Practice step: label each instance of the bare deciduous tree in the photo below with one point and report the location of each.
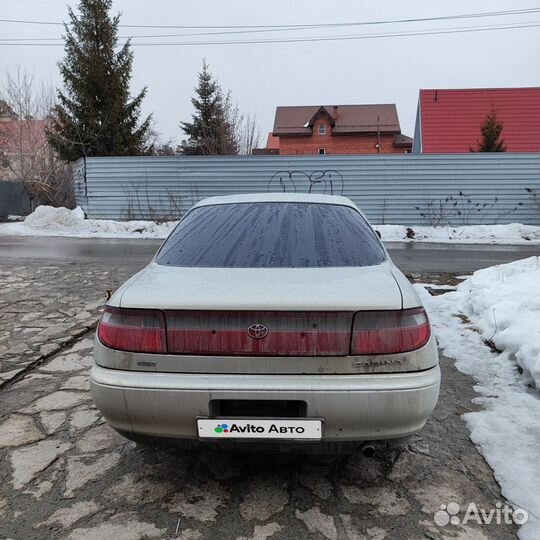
(26, 153)
(246, 133)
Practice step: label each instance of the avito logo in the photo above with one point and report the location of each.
(250, 428)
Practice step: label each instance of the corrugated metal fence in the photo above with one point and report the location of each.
(406, 189)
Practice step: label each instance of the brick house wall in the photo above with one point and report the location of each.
(353, 143)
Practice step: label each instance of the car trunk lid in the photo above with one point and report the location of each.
(263, 289)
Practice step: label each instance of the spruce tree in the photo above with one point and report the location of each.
(491, 130)
(95, 114)
(211, 130)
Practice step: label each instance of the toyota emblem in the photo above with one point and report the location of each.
(257, 331)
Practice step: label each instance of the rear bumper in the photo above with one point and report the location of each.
(353, 407)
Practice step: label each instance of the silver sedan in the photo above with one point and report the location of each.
(273, 319)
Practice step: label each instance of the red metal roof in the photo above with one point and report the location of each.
(451, 119)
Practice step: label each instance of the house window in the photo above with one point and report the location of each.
(322, 151)
(322, 129)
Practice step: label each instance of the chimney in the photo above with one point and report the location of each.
(335, 111)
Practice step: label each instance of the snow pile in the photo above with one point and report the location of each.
(508, 428)
(49, 218)
(513, 233)
(49, 221)
(504, 304)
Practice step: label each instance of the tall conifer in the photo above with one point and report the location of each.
(95, 114)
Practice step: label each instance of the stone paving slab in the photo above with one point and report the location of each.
(65, 474)
(44, 308)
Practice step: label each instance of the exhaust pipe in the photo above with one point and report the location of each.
(368, 451)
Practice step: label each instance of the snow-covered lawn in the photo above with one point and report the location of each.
(500, 305)
(48, 221)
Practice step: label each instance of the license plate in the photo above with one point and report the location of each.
(229, 428)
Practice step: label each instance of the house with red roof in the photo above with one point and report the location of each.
(336, 129)
(449, 121)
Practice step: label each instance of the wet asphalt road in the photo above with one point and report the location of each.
(410, 257)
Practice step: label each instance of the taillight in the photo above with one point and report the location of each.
(135, 330)
(259, 333)
(389, 332)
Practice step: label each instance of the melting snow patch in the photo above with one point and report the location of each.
(49, 221)
(502, 304)
(513, 233)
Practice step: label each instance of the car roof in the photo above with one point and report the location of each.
(314, 198)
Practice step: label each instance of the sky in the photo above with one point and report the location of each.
(263, 76)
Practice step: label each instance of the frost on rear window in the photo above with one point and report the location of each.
(272, 235)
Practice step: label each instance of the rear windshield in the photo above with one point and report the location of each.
(272, 235)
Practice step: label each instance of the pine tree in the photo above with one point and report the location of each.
(95, 114)
(211, 130)
(491, 130)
